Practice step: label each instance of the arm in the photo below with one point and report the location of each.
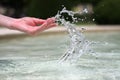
(6, 21)
(28, 25)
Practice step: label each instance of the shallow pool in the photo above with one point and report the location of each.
(36, 58)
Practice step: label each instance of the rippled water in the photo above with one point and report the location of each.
(35, 58)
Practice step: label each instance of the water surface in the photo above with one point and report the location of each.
(36, 58)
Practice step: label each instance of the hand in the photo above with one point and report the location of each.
(33, 25)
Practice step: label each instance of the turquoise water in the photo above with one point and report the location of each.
(36, 58)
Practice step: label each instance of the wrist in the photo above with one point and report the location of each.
(6, 21)
(11, 23)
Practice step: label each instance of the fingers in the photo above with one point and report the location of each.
(52, 25)
(50, 21)
(41, 21)
(44, 27)
(46, 24)
(38, 21)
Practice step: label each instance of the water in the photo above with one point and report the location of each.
(35, 58)
(78, 44)
(29, 58)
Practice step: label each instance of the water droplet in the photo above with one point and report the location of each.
(85, 10)
(93, 19)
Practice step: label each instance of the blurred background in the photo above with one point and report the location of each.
(99, 11)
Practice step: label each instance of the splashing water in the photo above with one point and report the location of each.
(78, 44)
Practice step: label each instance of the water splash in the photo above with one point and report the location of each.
(78, 44)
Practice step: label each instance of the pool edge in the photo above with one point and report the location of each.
(58, 30)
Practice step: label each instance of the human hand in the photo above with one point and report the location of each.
(32, 25)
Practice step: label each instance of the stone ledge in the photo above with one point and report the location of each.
(91, 28)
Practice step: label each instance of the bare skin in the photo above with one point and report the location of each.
(28, 25)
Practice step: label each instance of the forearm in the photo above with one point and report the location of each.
(6, 21)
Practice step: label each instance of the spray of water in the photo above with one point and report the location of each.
(78, 44)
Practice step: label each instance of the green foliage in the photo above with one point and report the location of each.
(47, 8)
(39, 8)
(93, 2)
(108, 12)
(14, 8)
